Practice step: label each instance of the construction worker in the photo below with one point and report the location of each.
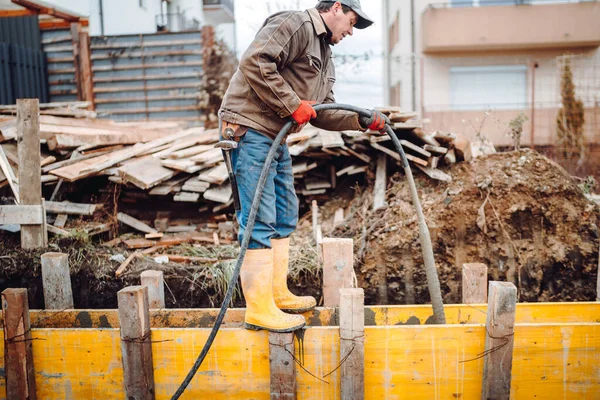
(286, 69)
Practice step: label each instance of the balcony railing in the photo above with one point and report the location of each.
(225, 3)
(510, 25)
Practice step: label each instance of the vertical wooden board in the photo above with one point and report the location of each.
(282, 366)
(237, 365)
(2, 374)
(423, 362)
(78, 363)
(474, 283)
(556, 362)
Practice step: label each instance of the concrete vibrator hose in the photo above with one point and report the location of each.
(433, 282)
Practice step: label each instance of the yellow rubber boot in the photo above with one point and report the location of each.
(286, 300)
(257, 284)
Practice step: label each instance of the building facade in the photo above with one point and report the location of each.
(473, 66)
(124, 17)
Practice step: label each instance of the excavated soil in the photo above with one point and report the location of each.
(519, 213)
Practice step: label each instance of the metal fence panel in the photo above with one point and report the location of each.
(21, 31)
(22, 74)
(58, 47)
(147, 77)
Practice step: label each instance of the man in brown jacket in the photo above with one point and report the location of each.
(284, 71)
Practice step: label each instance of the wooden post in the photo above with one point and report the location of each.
(136, 343)
(315, 219)
(352, 344)
(85, 66)
(75, 31)
(282, 365)
(499, 340)
(30, 181)
(56, 281)
(154, 281)
(18, 356)
(338, 265)
(474, 283)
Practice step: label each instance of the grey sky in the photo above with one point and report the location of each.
(359, 82)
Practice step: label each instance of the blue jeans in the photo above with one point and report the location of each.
(278, 211)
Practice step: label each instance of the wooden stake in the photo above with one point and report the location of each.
(18, 355)
(155, 283)
(499, 340)
(136, 343)
(352, 344)
(282, 365)
(338, 265)
(474, 283)
(315, 218)
(85, 68)
(30, 181)
(56, 281)
(380, 183)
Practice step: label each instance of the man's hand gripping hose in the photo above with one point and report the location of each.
(433, 282)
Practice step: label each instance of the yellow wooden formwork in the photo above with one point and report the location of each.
(550, 361)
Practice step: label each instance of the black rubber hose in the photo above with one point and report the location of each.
(252, 218)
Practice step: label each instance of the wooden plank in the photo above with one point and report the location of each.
(187, 197)
(282, 366)
(352, 344)
(85, 69)
(338, 267)
(362, 157)
(136, 343)
(182, 165)
(65, 207)
(154, 281)
(23, 215)
(499, 341)
(408, 146)
(94, 165)
(9, 174)
(135, 223)
(220, 194)
(57, 231)
(146, 172)
(18, 356)
(380, 183)
(190, 151)
(165, 241)
(445, 137)
(396, 156)
(216, 175)
(331, 139)
(435, 149)
(30, 188)
(56, 281)
(474, 283)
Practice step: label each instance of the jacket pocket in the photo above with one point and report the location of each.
(314, 61)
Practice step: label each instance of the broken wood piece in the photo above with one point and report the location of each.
(362, 157)
(220, 194)
(302, 136)
(187, 197)
(146, 172)
(9, 174)
(331, 139)
(47, 160)
(338, 217)
(435, 173)
(358, 170)
(126, 263)
(445, 137)
(216, 239)
(163, 242)
(191, 259)
(135, 223)
(450, 157)
(152, 236)
(435, 149)
(380, 183)
(396, 156)
(58, 231)
(61, 220)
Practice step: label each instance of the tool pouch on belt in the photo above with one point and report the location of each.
(230, 131)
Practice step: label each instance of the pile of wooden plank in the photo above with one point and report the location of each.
(169, 160)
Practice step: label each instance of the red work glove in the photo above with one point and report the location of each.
(375, 123)
(304, 113)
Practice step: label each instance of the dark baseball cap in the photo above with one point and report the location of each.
(363, 19)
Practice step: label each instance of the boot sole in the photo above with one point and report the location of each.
(297, 310)
(253, 327)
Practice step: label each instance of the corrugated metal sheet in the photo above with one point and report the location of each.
(148, 77)
(21, 31)
(58, 47)
(22, 74)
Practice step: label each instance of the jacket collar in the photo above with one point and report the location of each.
(317, 21)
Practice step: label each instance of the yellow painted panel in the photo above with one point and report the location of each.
(560, 313)
(237, 365)
(77, 363)
(423, 362)
(417, 362)
(557, 362)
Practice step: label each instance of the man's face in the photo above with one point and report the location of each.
(341, 25)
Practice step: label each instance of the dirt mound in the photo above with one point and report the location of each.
(518, 212)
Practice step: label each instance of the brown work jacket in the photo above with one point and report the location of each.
(288, 61)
